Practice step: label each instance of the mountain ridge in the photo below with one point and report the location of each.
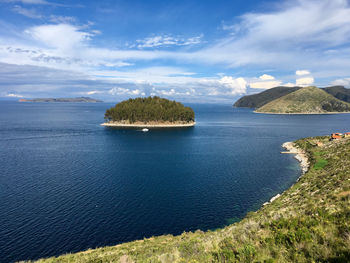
(307, 100)
(260, 99)
(264, 97)
(340, 92)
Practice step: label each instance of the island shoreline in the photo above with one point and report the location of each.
(141, 125)
(303, 113)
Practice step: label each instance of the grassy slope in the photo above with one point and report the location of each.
(262, 98)
(339, 92)
(310, 222)
(306, 100)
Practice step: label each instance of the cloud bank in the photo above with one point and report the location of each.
(62, 56)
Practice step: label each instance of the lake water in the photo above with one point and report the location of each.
(68, 184)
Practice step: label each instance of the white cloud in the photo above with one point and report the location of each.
(125, 91)
(116, 64)
(13, 95)
(60, 36)
(38, 2)
(237, 86)
(265, 81)
(32, 2)
(148, 75)
(302, 72)
(265, 84)
(170, 92)
(263, 39)
(289, 84)
(307, 81)
(225, 86)
(36, 81)
(266, 77)
(62, 19)
(173, 92)
(341, 82)
(270, 39)
(31, 13)
(92, 92)
(317, 40)
(166, 40)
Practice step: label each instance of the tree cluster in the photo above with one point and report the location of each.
(149, 109)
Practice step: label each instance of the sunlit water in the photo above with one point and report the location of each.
(68, 184)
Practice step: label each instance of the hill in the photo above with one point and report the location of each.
(308, 223)
(262, 98)
(308, 100)
(339, 92)
(79, 99)
(152, 110)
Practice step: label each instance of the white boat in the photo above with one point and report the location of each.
(145, 130)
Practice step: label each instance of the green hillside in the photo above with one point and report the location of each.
(262, 98)
(310, 222)
(339, 92)
(307, 100)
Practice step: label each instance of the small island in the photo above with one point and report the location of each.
(150, 112)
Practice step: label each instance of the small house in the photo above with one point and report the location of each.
(336, 136)
(347, 134)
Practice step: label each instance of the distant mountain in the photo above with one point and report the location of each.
(306, 100)
(339, 92)
(80, 99)
(262, 98)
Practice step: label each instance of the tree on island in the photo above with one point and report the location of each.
(150, 109)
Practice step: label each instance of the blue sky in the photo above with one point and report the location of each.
(192, 51)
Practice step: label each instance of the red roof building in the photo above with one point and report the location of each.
(336, 136)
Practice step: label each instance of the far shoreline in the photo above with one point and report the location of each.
(303, 113)
(148, 125)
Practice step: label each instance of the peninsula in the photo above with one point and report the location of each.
(307, 223)
(308, 100)
(79, 99)
(257, 100)
(298, 100)
(150, 112)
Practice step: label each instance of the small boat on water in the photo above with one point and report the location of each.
(145, 130)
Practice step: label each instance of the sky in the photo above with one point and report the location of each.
(190, 51)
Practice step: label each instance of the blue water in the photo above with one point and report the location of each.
(68, 184)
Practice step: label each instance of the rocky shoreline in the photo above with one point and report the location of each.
(301, 156)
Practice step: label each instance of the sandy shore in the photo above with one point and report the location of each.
(152, 125)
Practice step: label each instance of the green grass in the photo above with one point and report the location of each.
(310, 222)
(320, 162)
